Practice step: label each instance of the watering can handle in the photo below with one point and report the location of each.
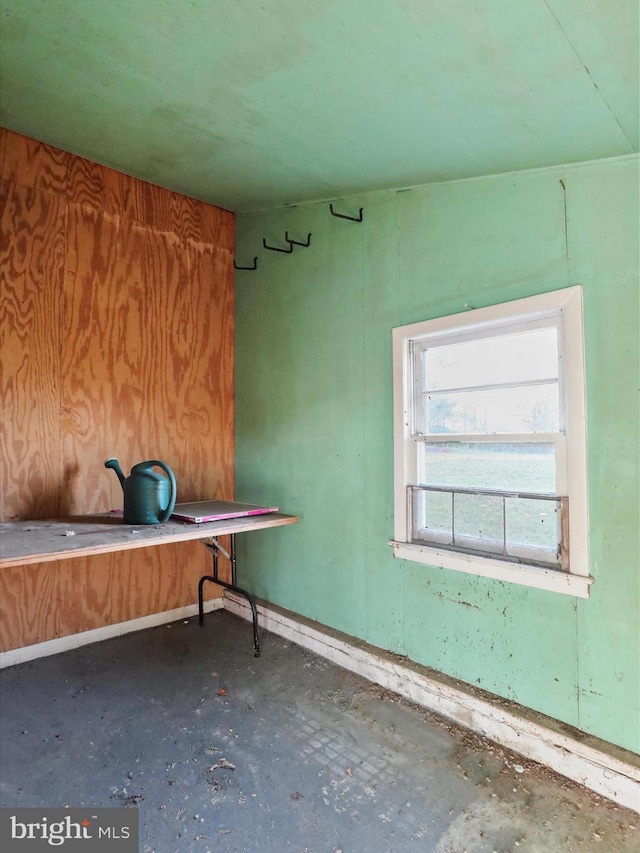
(165, 514)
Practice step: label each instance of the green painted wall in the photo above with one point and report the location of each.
(314, 425)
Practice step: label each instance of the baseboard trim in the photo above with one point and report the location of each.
(84, 638)
(608, 775)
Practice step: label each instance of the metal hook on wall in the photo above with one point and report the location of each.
(297, 242)
(342, 215)
(254, 267)
(276, 249)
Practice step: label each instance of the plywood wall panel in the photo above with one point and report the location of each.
(147, 358)
(117, 339)
(205, 434)
(202, 223)
(111, 192)
(28, 605)
(31, 268)
(32, 164)
(118, 384)
(114, 588)
(67, 597)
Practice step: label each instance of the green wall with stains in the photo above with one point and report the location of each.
(314, 425)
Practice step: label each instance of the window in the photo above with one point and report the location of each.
(490, 447)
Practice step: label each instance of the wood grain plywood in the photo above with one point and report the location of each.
(203, 223)
(29, 611)
(60, 598)
(115, 398)
(36, 542)
(112, 192)
(206, 431)
(31, 270)
(113, 588)
(147, 359)
(116, 331)
(32, 164)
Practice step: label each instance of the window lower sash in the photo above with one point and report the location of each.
(516, 527)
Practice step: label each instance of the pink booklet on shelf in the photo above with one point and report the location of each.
(201, 511)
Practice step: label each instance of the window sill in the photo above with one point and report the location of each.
(533, 576)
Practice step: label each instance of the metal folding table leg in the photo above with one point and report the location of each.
(216, 549)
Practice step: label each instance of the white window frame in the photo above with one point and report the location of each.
(566, 305)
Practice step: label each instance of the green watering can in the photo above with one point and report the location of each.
(149, 498)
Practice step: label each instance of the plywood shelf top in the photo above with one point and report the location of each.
(28, 542)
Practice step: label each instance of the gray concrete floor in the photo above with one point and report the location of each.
(220, 751)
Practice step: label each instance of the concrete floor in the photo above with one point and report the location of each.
(221, 751)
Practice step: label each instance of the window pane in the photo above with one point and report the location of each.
(432, 518)
(532, 523)
(517, 467)
(478, 523)
(534, 408)
(518, 357)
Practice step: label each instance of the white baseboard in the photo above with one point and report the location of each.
(74, 641)
(606, 774)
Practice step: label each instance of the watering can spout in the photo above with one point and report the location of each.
(113, 463)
